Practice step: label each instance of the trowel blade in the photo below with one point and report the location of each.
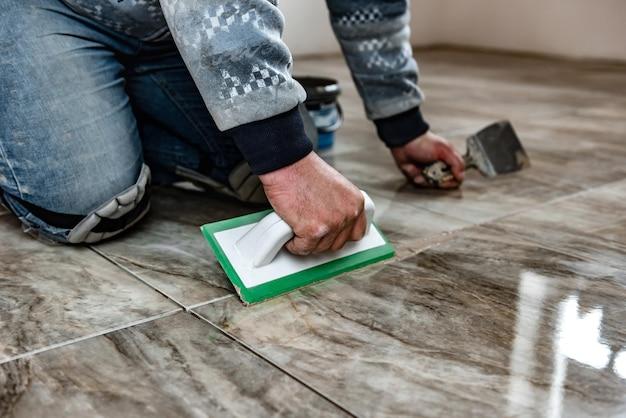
(497, 150)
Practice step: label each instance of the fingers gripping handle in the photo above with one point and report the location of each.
(262, 243)
(369, 208)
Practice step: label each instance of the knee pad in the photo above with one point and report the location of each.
(111, 218)
(115, 216)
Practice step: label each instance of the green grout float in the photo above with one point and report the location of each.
(250, 250)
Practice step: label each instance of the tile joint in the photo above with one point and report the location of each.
(90, 336)
(136, 276)
(272, 363)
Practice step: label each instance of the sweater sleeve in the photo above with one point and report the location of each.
(242, 68)
(374, 37)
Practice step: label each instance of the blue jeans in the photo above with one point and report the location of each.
(83, 109)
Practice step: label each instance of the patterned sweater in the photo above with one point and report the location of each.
(234, 51)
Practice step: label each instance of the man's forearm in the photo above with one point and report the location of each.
(236, 57)
(374, 36)
(235, 54)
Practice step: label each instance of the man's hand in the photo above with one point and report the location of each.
(428, 148)
(322, 207)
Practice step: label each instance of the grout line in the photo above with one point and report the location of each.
(555, 248)
(420, 207)
(89, 336)
(199, 305)
(488, 223)
(271, 362)
(550, 202)
(187, 308)
(136, 276)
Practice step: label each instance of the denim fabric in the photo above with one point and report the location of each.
(82, 107)
(91, 89)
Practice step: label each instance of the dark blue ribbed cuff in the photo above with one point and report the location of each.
(397, 130)
(272, 143)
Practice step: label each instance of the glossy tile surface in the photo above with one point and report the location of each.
(521, 315)
(411, 229)
(177, 366)
(50, 294)
(482, 325)
(590, 224)
(168, 251)
(479, 200)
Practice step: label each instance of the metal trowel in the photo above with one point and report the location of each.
(493, 151)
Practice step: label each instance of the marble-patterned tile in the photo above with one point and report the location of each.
(168, 251)
(52, 294)
(466, 91)
(601, 126)
(470, 90)
(410, 229)
(590, 224)
(478, 200)
(615, 232)
(178, 366)
(563, 154)
(482, 324)
(587, 77)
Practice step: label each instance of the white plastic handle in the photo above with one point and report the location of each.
(262, 243)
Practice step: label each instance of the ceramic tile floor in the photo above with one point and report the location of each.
(506, 298)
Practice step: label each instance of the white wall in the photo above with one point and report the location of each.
(308, 31)
(575, 28)
(307, 28)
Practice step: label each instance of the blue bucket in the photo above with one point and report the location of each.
(323, 107)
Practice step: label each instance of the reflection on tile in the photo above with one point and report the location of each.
(52, 294)
(479, 199)
(583, 224)
(615, 232)
(566, 153)
(168, 251)
(410, 229)
(482, 323)
(602, 123)
(175, 366)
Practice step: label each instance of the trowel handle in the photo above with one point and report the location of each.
(262, 243)
(439, 172)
